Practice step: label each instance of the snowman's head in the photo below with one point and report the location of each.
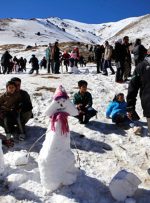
(61, 103)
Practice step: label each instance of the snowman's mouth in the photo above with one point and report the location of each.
(61, 109)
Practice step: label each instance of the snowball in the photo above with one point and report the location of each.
(17, 158)
(14, 180)
(21, 158)
(124, 185)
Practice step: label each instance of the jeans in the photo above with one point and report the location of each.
(107, 64)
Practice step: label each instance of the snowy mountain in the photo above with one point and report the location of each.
(43, 31)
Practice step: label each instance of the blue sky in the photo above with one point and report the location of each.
(88, 11)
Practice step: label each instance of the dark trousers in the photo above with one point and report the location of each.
(56, 67)
(48, 66)
(6, 68)
(107, 64)
(34, 69)
(66, 63)
(119, 72)
(99, 66)
(9, 120)
(84, 116)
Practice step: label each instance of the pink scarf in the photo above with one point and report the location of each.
(63, 118)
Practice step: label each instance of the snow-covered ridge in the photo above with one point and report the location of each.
(43, 31)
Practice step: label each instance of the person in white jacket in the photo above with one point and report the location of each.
(107, 59)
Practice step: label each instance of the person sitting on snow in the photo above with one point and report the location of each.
(9, 110)
(26, 104)
(117, 111)
(83, 102)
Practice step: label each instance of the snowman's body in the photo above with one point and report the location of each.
(56, 160)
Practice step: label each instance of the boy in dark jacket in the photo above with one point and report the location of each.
(9, 109)
(83, 102)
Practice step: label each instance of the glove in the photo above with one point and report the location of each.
(132, 115)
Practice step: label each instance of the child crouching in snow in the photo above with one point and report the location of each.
(117, 111)
(83, 101)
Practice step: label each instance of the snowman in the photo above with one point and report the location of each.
(1, 159)
(56, 160)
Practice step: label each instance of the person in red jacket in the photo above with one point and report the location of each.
(65, 58)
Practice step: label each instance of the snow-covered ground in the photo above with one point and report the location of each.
(104, 150)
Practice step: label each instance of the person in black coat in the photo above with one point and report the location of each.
(139, 52)
(43, 63)
(119, 60)
(98, 58)
(21, 64)
(5, 62)
(140, 81)
(35, 64)
(56, 57)
(127, 58)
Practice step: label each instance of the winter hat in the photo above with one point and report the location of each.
(119, 41)
(60, 93)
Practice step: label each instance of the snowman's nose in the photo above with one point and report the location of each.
(61, 105)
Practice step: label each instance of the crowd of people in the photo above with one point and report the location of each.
(11, 64)
(16, 106)
(121, 54)
(103, 55)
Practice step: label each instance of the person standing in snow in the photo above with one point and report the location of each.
(43, 63)
(21, 64)
(140, 82)
(119, 60)
(127, 58)
(35, 64)
(98, 58)
(139, 52)
(107, 59)
(65, 58)
(48, 58)
(56, 58)
(25, 62)
(16, 64)
(74, 57)
(83, 101)
(5, 62)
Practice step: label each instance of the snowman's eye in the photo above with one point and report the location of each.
(58, 102)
